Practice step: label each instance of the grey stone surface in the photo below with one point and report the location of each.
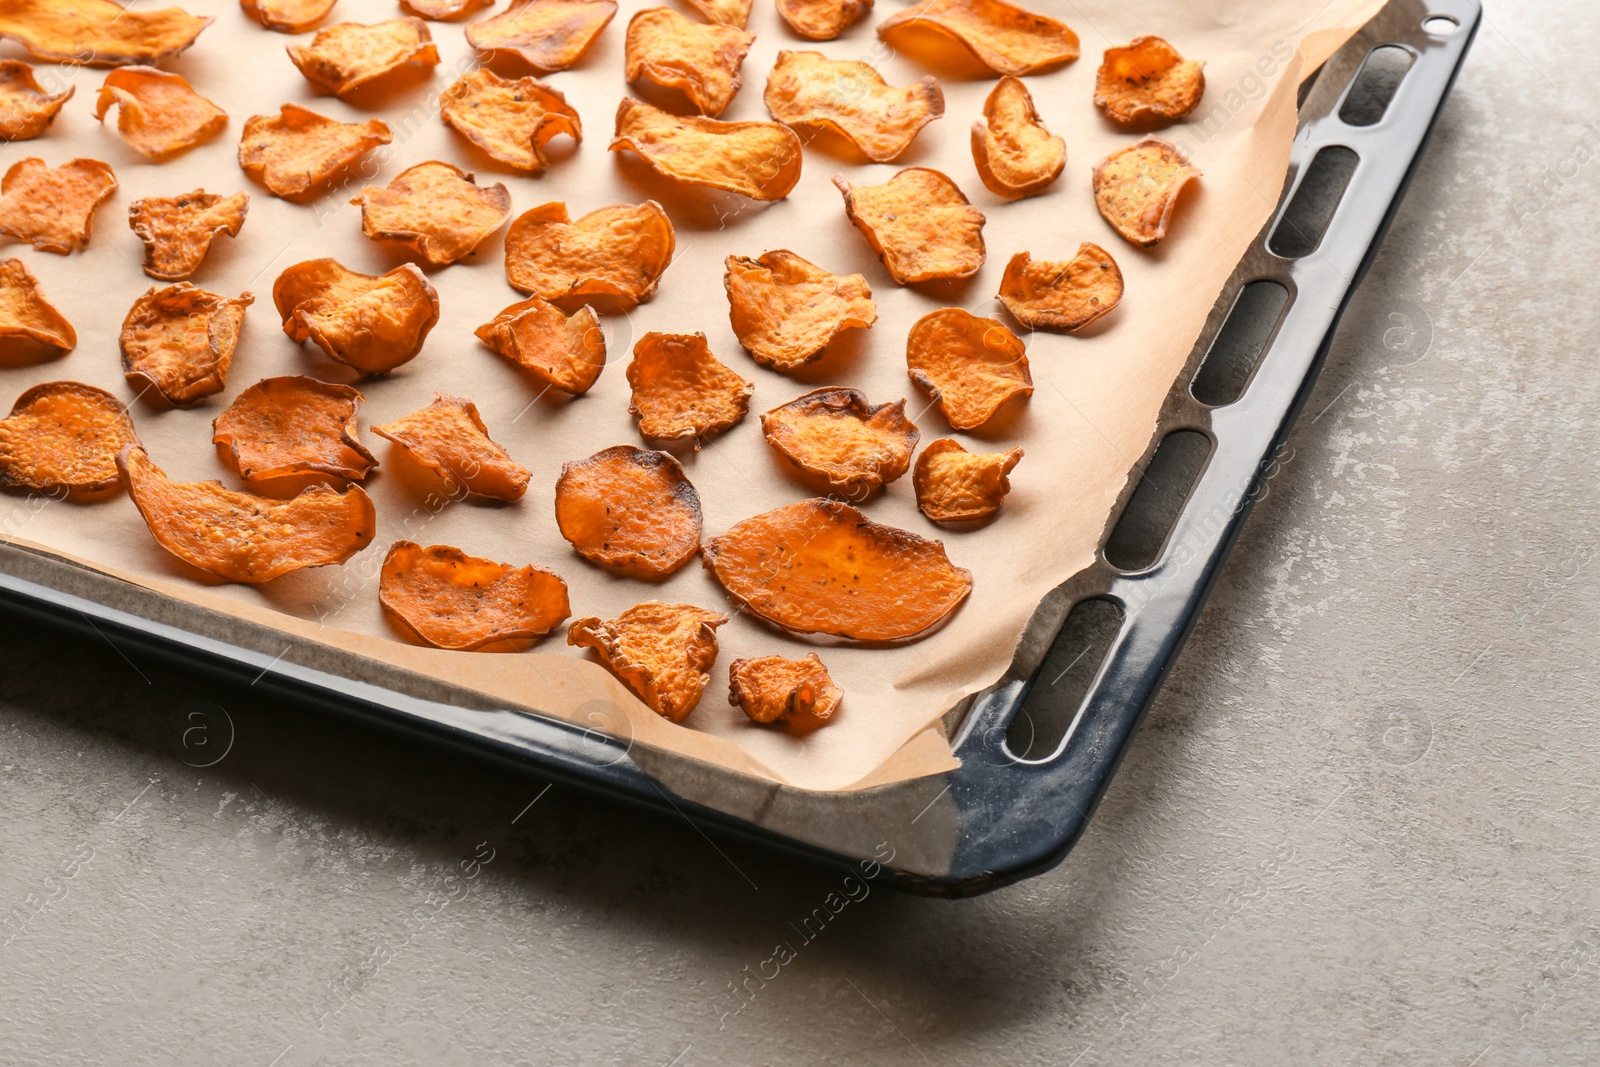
(1358, 828)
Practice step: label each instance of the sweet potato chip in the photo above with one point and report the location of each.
(724, 12)
(663, 652)
(1016, 155)
(180, 340)
(443, 10)
(850, 98)
(1005, 38)
(547, 34)
(953, 484)
(618, 253)
(969, 366)
(449, 437)
(52, 207)
(293, 426)
(158, 114)
(838, 436)
(350, 55)
(25, 314)
(1147, 83)
(437, 209)
(785, 310)
(25, 108)
(629, 510)
(820, 566)
(177, 231)
(511, 120)
(1046, 295)
(449, 599)
(681, 391)
(565, 352)
(1137, 187)
(920, 224)
(64, 437)
(243, 537)
(700, 61)
(772, 688)
(296, 152)
(760, 160)
(98, 33)
(373, 323)
(288, 16)
(822, 20)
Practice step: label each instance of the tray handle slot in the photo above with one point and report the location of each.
(1057, 691)
(1375, 84)
(1301, 226)
(1156, 502)
(1241, 341)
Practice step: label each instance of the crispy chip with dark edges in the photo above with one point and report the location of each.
(565, 352)
(760, 160)
(180, 341)
(774, 689)
(841, 438)
(1147, 83)
(700, 61)
(969, 366)
(443, 10)
(1005, 38)
(25, 314)
(511, 120)
(52, 207)
(288, 16)
(663, 652)
(618, 253)
(293, 426)
(449, 437)
(1046, 295)
(724, 12)
(630, 510)
(681, 391)
(98, 33)
(158, 113)
(548, 34)
(1137, 187)
(786, 310)
(296, 152)
(177, 231)
(373, 323)
(920, 224)
(822, 20)
(63, 437)
(851, 99)
(350, 55)
(449, 599)
(954, 485)
(820, 566)
(1015, 154)
(437, 209)
(243, 537)
(25, 108)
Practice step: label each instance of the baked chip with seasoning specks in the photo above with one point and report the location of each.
(291, 427)
(63, 437)
(350, 55)
(562, 351)
(510, 119)
(448, 599)
(663, 652)
(920, 224)
(548, 35)
(723, 12)
(617, 253)
(1047, 295)
(1003, 37)
(629, 510)
(373, 323)
(838, 436)
(443, 10)
(180, 342)
(851, 99)
(1147, 83)
(954, 485)
(700, 61)
(98, 33)
(449, 438)
(158, 114)
(26, 317)
(436, 209)
(786, 310)
(288, 16)
(26, 110)
(968, 365)
(681, 391)
(177, 231)
(1137, 187)
(297, 152)
(774, 689)
(822, 20)
(52, 207)
(1015, 154)
(760, 160)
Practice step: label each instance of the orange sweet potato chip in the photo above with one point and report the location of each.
(449, 437)
(510, 119)
(243, 537)
(760, 160)
(681, 391)
(437, 209)
(969, 366)
(64, 437)
(547, 34)
(158, 114)
(820, 566)
(663, 652)
(822, 20)
(449, 599)
(773, 689)
(1046, 295)
(785, 310)
(920, 224)
(955, 485)
(296, 152)
(349, 55)
(293, 426)
(629, 510)
(616, 253)
(841, 438)
(177, 231)
(98, 33)
(565, 352)
(1147, 83)
(25, 108)
(288, 16)
(1137, 187)
(1015, 154)
(373, 323)
(851, 99)
(51, 207)
(180, 341)
(25, 315)
(1005, 38)
(723, 12)
(700, 61)
(443, 10)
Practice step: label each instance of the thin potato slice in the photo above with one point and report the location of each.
(350, 55)
(663, 652)
(724, 12)
(98, 33)
(288, 16)
(548, 34)
(1046, 295)
(296, 152)
(25, 108)
(760, 160)
(681, 391)
(448, 599)
(25, 314)
(443, 10)
(158, 114)
(177, 231)
(180, 342)
(1015, 154)
(437, 209)
(954, 485)
(449, 437)
(565, 352)
(1137, 187)
(1005, 38)
(63, 437)
(838, 436)
(510, 119)
(700, 61)
(822, 20)
(1147, 83)
(850, 98)
(293, 426)
(52, 207)
(242, 537)
(373, 323)
(786, 310)
(969, 366)
(773, 689)
(820, 566)
(629, 510)
(617, 252)
(920, 224)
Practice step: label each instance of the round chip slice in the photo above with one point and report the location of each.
(449, 437)
(920, 223)
(681, 391)
(448, 599)
(347, 56)
(510, 119)
(63, 437)
(1015, 154)
(773, 689)
(838, 436)
(373, 323)
(25, 314)
(158, 114)
(969, 366)
(954, 485)
(1045, 295)
(548, 34)
(629, 510)
(760, 160)
(700, 61)
(822, 20)
(565, 352)
(51, 207)
(1147, 83)
(851, 99)
(294, 426)
(1137, 187)
(437, 209)
(177, 231)
(617, 252)
(663, 652)
(1003, 37)
(98, 33)
(296, 152)
(25, 108)
(443, 10)
(288, 16)
(180, 341)
(724, 12)
(786, 310)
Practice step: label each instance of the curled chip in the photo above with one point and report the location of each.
(180, 341)
(920, 224)
(1137, 187)
(243, 537)
(1015, 154)
(25, 314)
(836, 435)
(1045, 295)
(349, 55)
(98, 33)
(51, 207)
(970, 366)
(565, 352)
(723, 12)
(63, 437)
(436, 209)
(296, 152)
(158, 113)
(701, 61)
(820, 566)
(663, 652)
(373, 323)
(760, 160)
(177, 230)
(953, 484)
(785, 310)
(512, 120)
(443, 10)
(617, 252)
(25, 108)
(772, 688)
(449, 437)
(1005, 38)
(288, 16)
(294, 426)
(681, 391)
(547, 34)
(1147, 83)
(449, 599)
(822, 20)
(629, 510)
(850, 98)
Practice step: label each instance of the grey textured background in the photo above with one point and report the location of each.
(1359, 826)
